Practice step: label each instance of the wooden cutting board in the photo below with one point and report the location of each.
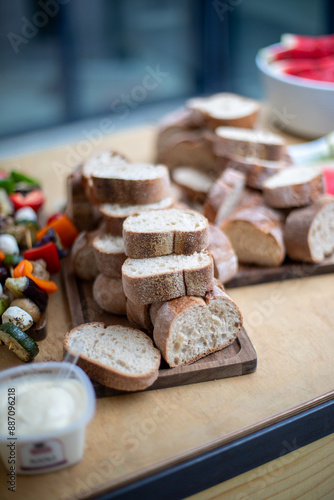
(237, 359)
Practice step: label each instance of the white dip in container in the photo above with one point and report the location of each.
(43, 419)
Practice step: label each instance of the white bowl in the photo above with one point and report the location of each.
(300, 106)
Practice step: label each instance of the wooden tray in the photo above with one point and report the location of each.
(237, 359)
(252, 275)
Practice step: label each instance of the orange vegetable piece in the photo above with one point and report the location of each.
(65, 229)
(2, 256)
(25, 267)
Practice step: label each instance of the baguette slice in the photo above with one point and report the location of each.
(135, 183)
(194, 183)
(163, 278)
(108, 293)
(309, 231)
(109, 254)
(256, 170)
(189, 328)
(231, 141)
(225, 109)
(224, 195)
(163, 232)
(225, 259)
(115, 214)
(256, 235)
(116, 356)
(139, 315)
(294, 187)
(82, 256)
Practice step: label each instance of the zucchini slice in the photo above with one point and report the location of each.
(19, 342)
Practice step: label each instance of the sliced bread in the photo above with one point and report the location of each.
(256, 235)
(108, 293)
(139, 315)
(116, 356)
(225, 259)
(115, 214)
(82, 256)
(194, 183)
(135, 183)
(189, 328)
(163, 232)
(225, 109)
(309, 231)
(294, 187)
(224, 195)
(248, 143)
(109, 254)
(256, 170)
(167, 277)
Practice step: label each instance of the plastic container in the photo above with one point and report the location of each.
(43, 449)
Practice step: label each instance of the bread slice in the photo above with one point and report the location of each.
(294, 187)
(224, 195)
(225, 109)
(194, 183)
(225, 259)
(309, 231)
(82, 256)
(167, 277)
(192, 148)
(256, 235)
(116, 356)
(163, 232)
(108, 293)
(135, 183)
(115, 214)
(189, 328)
(109, 254)
(231, 141)
(139, 315)
(256, 170)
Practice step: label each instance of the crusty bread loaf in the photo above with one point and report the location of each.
(135, 183)
(189, 328)
(225, 259)
(294, 187)
(194, 183)
(309, 231)
(163, 232)
(116, 356)
(167, 277)
(225, 109)
(248, 143)
(109, 254)
(139, 315)
(256, 235)
(108, 293)
(82, 256)
(256, 170)
(224, 195)
(114, 215)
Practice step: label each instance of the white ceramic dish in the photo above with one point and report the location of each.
(302, 107)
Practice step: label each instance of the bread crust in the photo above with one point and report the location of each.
(297, 228)
(224, 257)
(108, 263)
(82, 256)
(131, 192)
(139, 315)
(294, 195)
(108, 376)
(108, 293)
(168, 284)
(256, 171)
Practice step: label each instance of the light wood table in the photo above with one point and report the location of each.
(174, 442)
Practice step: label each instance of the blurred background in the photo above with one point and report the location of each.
(65, 62)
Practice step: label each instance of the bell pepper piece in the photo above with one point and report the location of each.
(65, 229)
(48, 253)
(53, 217)
(2, 256)
(329, 179)
(25, 268)
(33, 199)
(19, 177)
(7, 184)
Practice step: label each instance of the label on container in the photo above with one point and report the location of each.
(42, 455)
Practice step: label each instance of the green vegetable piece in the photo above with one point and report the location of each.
(7, 184)
(12, 260)
(4, 303)
(19, 177)
(18, 342)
